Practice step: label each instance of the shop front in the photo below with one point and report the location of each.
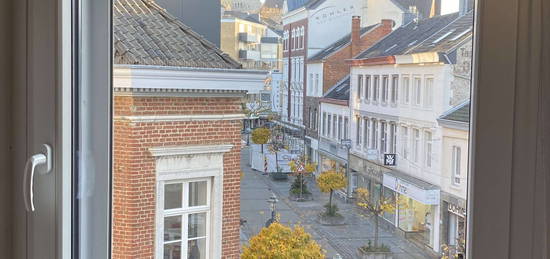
(312, 149)
(333, 156)
(417, 210)
(453, 232)
(369, 177)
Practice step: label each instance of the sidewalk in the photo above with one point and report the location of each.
(344, 240)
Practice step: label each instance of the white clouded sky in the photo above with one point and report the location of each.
(449, 6)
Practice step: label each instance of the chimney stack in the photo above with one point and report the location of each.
(355, 35)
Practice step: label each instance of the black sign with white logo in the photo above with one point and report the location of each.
(390, 159)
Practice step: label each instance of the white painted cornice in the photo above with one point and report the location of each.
(181, 78)
(186, 117)
(189, 150)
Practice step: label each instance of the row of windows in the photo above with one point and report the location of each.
(381, 135)
(296, 39)
(297, 69)
(314, 83)
(335, 126)
(385, 89)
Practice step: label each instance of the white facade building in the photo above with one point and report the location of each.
(399, 89)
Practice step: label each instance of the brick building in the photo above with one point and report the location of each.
(328, 67)
(177, 122)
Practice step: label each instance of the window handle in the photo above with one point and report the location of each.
(32, 163)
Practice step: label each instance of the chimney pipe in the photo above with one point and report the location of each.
(355, 35)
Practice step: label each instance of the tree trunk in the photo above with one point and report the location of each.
(330, 201)
(276, 162)
(376, 230)
(262, 148)
(301, 185)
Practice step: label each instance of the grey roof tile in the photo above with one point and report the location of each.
(441, 34)
(423, 7)
(145, 34)
(337, 45)
(340, 90)
(459, 113)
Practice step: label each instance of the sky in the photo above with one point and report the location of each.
(449, 6)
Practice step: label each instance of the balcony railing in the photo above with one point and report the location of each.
(247, 37)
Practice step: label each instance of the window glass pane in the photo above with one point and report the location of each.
(173, 196)
(172, 251)
(196, 249)
(197, 193)
(197, 225)
(172, 228)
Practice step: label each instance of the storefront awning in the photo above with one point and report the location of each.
(412, 187)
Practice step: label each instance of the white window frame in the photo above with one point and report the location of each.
(174, 164)
(417, 90)
(456, 157)
(184, 213)
(405, 141)
(406, 86)
(428, 149)
(375, 88)
(385, 89)
(394, 89)
(359, 87)
(415, 136)
(365, 131)
(428, 92)
(383, 137)
(368, 86)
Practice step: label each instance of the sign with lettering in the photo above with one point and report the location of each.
(390, 159)
(428, 197)
(455, 209)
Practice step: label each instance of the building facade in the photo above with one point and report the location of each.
(328, 66)
(399, 88)
(176, 139)
(254, 44)
(294, 56)
(454, 175)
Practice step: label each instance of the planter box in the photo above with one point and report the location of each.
(279, 176)
(296, 197)
(374, 255)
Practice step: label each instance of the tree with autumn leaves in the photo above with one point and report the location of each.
(261, 136)
(376, 209)
(301, 168)
(328, 182)
(281, 242)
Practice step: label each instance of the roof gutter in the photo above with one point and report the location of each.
(416, 58)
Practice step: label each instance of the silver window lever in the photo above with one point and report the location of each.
(44, 160)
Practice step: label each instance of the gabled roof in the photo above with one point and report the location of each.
(441, 34)
(312, 4)
(145, 34)
(337, 45)
(243, 16)
(295, 4)
(423, 7)
(459, 113)
(339, 91)
(273, 4)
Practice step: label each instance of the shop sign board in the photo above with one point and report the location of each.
(428, 197)
(455, 209)
(390, 159)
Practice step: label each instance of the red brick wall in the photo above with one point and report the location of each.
(134, 182)
(335, 67)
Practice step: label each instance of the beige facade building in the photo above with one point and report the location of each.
(254, 44)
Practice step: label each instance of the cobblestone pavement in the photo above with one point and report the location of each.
(344, 240)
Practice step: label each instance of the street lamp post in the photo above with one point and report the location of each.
(272, 201)
(347, 143)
